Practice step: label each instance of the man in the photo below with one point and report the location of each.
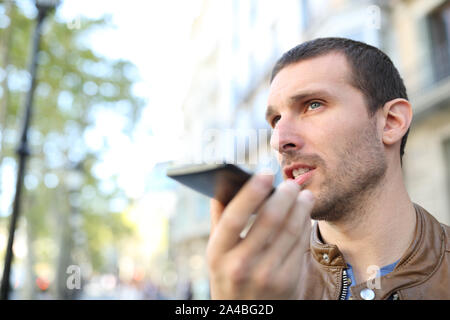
(340, 117)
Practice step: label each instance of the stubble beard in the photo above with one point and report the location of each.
(344, 193)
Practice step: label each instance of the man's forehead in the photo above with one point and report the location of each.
(322, 71)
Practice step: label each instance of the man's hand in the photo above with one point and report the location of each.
(265, 264)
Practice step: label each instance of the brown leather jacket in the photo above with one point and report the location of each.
(423, 272)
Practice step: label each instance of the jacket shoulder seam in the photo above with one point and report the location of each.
(441, 259)
(447, 236)
(412, 256)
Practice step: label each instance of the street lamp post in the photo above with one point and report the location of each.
(43, 6)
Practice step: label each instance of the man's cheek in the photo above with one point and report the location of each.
(275, 142)
(279, 157)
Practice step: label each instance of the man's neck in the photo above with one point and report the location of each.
(381, 230)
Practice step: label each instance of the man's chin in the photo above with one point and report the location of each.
(326, 211)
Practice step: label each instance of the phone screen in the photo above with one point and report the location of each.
(221, 182)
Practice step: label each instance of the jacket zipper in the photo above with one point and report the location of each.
(344, 289)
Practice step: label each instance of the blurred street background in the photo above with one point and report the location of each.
(125, 89)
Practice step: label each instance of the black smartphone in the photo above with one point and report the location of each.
(218, 181)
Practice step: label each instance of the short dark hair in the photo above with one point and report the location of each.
(372, 71)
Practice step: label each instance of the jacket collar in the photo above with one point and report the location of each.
(416, 265)
(326, 254)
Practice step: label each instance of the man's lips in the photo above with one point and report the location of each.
(288, 171)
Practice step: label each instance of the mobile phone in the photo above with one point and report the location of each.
(219, 181)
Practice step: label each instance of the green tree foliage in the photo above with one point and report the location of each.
(73, 82)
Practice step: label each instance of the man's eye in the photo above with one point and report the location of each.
(314, 105)
(275, 120)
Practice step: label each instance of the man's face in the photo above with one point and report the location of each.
(320, 121)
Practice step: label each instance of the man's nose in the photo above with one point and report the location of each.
(286, 137)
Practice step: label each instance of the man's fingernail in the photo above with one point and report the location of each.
(265, 171)
(266, 178)
(307, 196)
(292, 184)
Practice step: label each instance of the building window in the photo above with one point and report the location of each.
(439, 22)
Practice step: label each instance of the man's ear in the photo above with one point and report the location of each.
(398, 116)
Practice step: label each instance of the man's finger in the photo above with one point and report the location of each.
(239, 210)
(296, 225)
(287, 274)
(216, 210)
(271, 216)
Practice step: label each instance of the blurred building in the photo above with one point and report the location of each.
(231, 81)
(422, 33)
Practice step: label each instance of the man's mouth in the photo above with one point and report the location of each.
(299, 172)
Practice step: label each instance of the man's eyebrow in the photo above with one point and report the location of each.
(310, 94)
(299, 97)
